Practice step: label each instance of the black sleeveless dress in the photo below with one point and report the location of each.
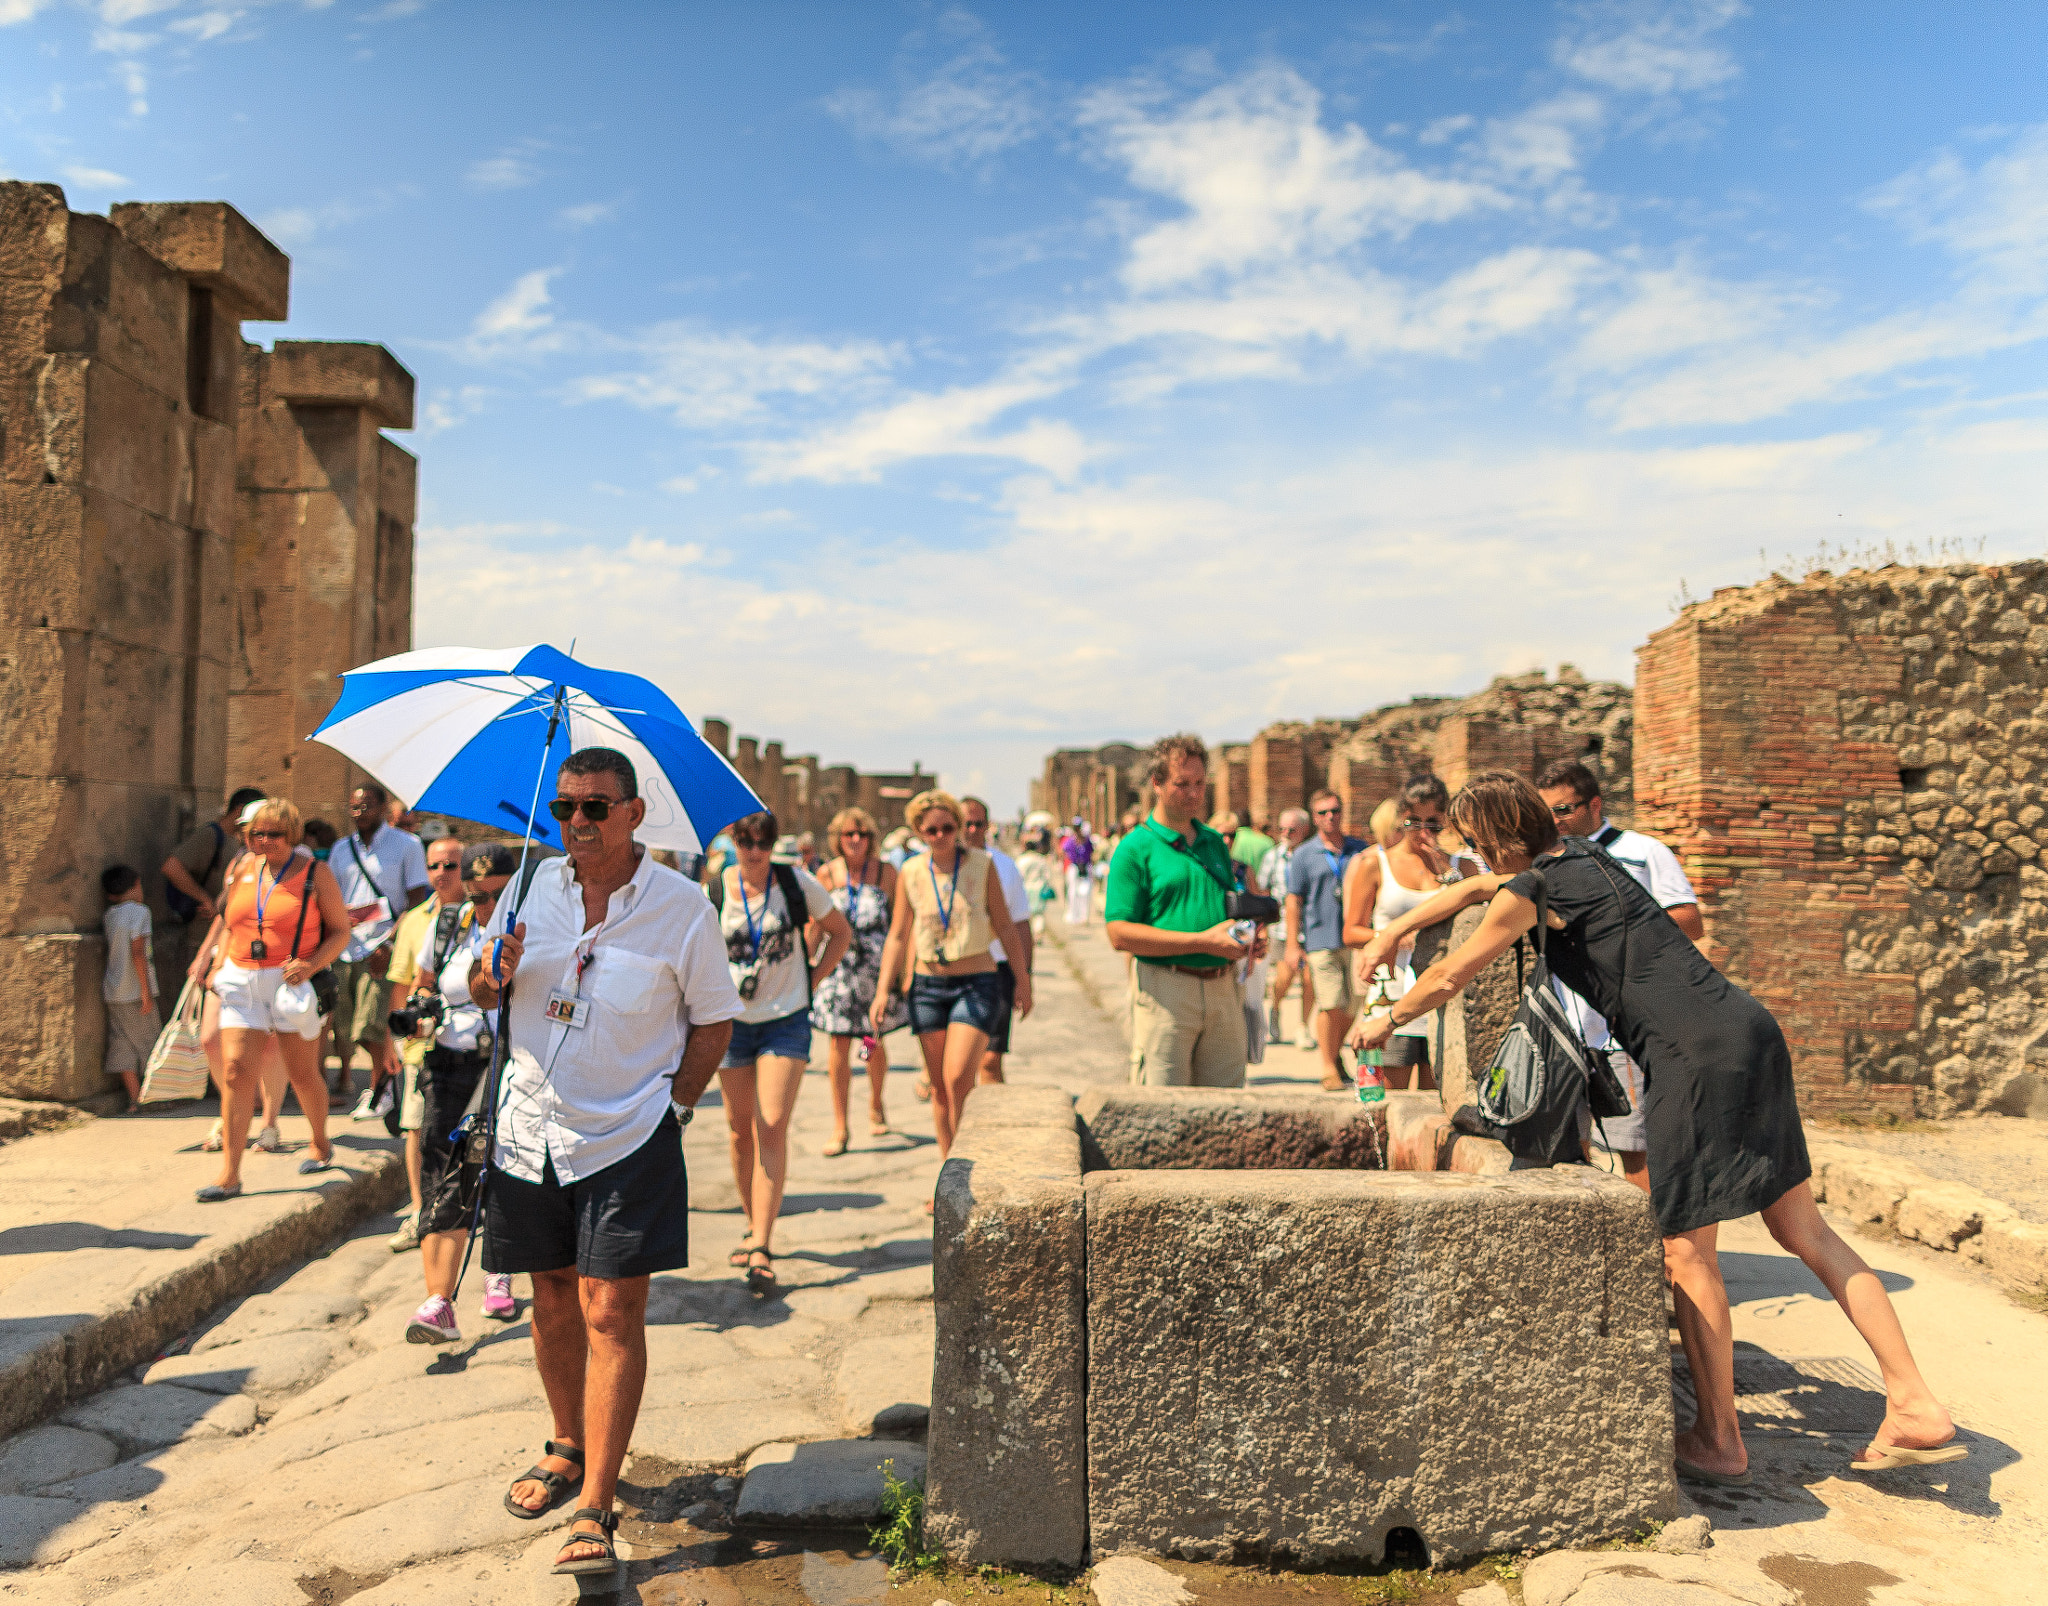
(1724, 1133)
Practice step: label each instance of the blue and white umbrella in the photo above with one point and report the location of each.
(466, 731)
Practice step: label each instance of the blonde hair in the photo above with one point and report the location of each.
(1224, 823)
(1383, 824)
(925, 802)
(280, 811)
(854, 816)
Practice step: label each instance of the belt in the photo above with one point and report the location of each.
(1200, 972)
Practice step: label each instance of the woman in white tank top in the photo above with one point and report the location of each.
(1384, 885)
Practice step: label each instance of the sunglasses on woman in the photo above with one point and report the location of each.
(863, 835)
(595, 809)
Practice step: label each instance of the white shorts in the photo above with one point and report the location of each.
(247, 1000)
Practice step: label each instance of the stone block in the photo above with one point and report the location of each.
(1293, 1364)
(122, 307)
(884, 1380)
(213, 245)
(1623, 1578)
(1007, 1479)
(276, 1363)
(53, 1032)
(342, 373)
(51, 1454)
(1150, 1128)
(836, 1484)
(34, 222)
(152, 1415)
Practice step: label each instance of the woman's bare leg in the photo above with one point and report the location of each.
(839, 1071)
(302, 1065)
(242, 1054)
(1913, 1417)
(962, 1049)
(933, 1045)
(736, 1092)
(1706, 1327)
(878, 1077)
(777, 1081)
(273, 1085)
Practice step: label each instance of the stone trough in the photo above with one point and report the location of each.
(1215, 1324)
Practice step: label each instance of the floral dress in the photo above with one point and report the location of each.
(840, 1005)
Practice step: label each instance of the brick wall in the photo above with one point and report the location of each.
(1855, 773)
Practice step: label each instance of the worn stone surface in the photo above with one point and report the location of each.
(1193, 1128)
(1008, 1476)
(151, 1415)
(276, 1364)
(1134, 1581)
(835, 1484)
(1293, 1365)
(1645, 1578)
(51, 1454)
(886, 1382)
(1685, 1536)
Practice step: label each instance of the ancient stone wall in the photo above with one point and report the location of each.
(1097, 783)
(159, 643)
(1855, 772)
(805, 794)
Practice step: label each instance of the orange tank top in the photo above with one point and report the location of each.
(250, 888)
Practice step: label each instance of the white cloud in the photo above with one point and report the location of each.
(685, 484)
(971, 109)
(206, 25)
(707, 378)
(1994, 220)
(948, 423)
(95, 178)
(447, 408)
(14, 11)
(1262, 180)
(506, 172)
(1651, 47)
(1543, 143)
(587, 214)
(519, 323)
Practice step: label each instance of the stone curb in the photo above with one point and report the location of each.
(88, 1355)
(1886, 1195)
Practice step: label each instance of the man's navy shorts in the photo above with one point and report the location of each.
(937, 1002)
(1006, 1001)
(629, 1220)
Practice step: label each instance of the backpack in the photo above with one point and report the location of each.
(799, 911)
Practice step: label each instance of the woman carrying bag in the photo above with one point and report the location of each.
(284, 922)
(1725, 1139)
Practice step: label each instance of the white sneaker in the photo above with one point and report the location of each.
(433, 1323)
(499, 1305)
(387, 1098)
(1308, 1041)
(267, 1140)
(365, 1109)
(407, 1236)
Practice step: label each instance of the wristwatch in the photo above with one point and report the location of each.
(685, 1113)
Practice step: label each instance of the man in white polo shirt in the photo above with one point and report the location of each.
(1573, 792)
(974, 831)
(622, 1011)
(383, 873)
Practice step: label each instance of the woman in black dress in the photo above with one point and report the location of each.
(1725, 1140)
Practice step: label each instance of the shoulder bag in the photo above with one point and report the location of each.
(326, 985)
(177, 1064)
(1541, 1062)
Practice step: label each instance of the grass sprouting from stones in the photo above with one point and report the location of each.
(900, 1534)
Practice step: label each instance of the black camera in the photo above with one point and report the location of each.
(420, 1010)
(1251, 906)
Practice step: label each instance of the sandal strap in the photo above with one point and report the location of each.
(553, 1482)
(567, 1452)
(607, 1520)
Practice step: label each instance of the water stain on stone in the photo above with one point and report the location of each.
(1826, 1583)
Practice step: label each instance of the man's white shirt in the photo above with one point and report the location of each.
(1015, 897)
(1658, 869)
(588, 1096)
(392, 867)
(464, 1019)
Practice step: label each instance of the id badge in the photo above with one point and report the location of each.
(258, 948)
(567, 1009)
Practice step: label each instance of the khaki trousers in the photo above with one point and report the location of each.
(1186, 1031)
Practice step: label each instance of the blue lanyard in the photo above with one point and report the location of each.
(946, 912)
(1336, 864)
(262, 897)
(754, 927)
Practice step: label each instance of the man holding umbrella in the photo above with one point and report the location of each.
(622, 1010)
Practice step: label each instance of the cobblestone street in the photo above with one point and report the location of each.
(294, 1447)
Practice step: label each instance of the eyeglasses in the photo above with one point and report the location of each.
(1321, 812)
(1564, 810)
(935, 830)
(595, 809)
(452, 864)
(865, 836)
(747, 844)
(484, 895)
(977, 825)
(1412, 824)
(266, 836)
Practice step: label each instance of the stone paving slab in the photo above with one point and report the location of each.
(106, 1257)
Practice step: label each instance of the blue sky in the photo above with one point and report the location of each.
(922, 382)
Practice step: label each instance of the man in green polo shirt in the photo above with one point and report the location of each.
(1165, 906)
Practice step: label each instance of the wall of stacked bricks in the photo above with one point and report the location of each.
(804, 794)
(1854, 770)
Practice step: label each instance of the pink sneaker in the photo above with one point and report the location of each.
(499, 1305)
(433, 1323)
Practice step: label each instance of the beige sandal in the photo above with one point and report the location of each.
(1899, 1455)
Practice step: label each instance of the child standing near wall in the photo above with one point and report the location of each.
(129, 989)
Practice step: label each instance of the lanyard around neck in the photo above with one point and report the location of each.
(946, 910)
(755, 928)
(262, 897)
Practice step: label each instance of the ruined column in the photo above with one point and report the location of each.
(323, 555)
(118, 342)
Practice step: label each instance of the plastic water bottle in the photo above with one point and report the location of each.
(1372, 1083)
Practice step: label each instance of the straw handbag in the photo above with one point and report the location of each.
(177, 1065)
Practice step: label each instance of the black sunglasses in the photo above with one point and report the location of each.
(1413, 824)
(1561, 810)
(595, 809)
(481, 895)
(452, 864)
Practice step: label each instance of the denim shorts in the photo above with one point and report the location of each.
(937, 1002)
(788, 1037)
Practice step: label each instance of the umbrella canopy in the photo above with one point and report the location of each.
(464, 731)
